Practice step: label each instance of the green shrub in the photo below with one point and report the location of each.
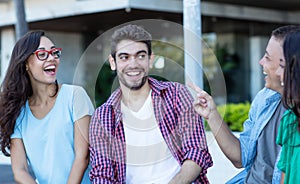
(234, 114)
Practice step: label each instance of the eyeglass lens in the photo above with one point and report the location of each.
(44, 54)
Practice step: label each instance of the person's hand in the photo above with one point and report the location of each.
(204, 103)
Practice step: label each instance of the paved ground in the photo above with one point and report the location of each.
(222, 170)
(6, 176)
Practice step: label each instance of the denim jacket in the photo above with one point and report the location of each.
(261, 111)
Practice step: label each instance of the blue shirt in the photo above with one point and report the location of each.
(49, 142)
(261, 111)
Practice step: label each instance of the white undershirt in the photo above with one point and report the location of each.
(148, 158)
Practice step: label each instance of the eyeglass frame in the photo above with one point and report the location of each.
(48, 52)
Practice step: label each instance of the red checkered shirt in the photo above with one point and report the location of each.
(181, 127)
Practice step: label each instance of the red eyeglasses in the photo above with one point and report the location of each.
(44, 54)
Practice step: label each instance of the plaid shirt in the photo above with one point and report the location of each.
(181, 128)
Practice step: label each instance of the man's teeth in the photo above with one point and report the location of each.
(133, 73)
(265, 73)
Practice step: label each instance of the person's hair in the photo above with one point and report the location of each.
(291, 91)
(16, 87)
(281, 32)
(130, 32)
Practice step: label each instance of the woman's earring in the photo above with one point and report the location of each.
(281, 83)
(26, 67)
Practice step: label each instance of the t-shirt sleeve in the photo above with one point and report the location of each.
(82, 104)
(17, 129)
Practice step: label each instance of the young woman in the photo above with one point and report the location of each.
(289, 131)
(41, 122)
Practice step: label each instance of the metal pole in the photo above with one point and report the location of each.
(21, 25)
(192, 42)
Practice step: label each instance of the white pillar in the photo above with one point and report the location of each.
(257, 50)
(7, 43)
(192, 42)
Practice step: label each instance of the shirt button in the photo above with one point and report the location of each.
(179, 130)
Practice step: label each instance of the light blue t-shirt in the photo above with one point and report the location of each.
(49, 142)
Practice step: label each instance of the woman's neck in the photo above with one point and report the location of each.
(42, 94)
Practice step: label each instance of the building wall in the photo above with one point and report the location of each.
(71, 44)
(41, 10)
(7, 43)
(73, 41)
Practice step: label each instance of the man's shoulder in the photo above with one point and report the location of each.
(105, 105)
(267, 94)
(267, 91)
(102, 115)
(265, 100)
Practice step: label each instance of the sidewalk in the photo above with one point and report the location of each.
(6, 176)
(221, 171)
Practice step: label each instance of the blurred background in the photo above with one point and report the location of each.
(232, 36)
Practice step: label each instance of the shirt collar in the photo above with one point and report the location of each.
(274, 97)
(156, 86)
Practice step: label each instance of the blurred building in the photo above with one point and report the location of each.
(235, 32)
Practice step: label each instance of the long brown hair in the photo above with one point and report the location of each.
(291, 92)
(16, 87)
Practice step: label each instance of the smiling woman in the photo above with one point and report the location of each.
(42, 121)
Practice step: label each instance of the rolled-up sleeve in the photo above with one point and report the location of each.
(193, 136)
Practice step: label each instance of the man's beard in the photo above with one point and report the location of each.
(144, 79)
(133, 87)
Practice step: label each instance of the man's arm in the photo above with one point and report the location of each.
(188, 173)
(194, 153)
(229, 143)
(100, 152)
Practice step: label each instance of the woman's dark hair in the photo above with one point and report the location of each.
(291, 91)
(16, 87)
